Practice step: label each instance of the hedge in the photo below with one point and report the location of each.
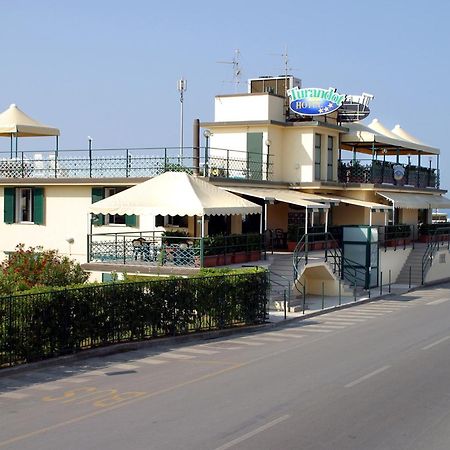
(35, 326)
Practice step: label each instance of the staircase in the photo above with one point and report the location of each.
(414, 261)
(281, 280)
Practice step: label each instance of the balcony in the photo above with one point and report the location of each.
(134, 163)
(382, 172)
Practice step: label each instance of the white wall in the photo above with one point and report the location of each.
(393, 260)
(248, 107)
(440, 268)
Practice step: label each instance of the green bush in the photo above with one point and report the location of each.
(27, 268)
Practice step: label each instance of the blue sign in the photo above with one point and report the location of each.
(314, 101)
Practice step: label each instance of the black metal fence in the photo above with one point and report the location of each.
(134, 163)
(63, 321)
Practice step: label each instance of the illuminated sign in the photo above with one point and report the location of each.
(314, 101)
(399, 172)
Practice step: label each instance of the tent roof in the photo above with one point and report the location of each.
(403, 134)
(175, 193)
(281, 195)
(364, 137)
(379, 128)
(15, 121)
(415, 201)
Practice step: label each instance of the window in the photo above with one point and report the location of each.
(24, 205)
(171, 221)
(99, 193)
(317, 155)
(114, 219)
(330, 158)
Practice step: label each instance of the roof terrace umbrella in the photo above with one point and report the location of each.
(175, 193)
(15, 123)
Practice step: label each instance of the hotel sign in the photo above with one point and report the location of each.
(314, 101)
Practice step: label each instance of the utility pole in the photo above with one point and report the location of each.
(182, 88)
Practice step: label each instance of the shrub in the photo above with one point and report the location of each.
(27, 268)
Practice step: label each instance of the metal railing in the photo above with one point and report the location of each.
(382, 172)
(437, 239)
(155, 248)
(134, 163)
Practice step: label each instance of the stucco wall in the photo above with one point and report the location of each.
(345, 214)
(393, 260)
(277, 216)
(440, 268)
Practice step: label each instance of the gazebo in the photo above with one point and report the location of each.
(14, 123)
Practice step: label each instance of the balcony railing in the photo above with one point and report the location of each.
(155, 248)
(134, 163)
(382, 172)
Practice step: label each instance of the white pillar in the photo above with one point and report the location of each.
(326, 220)
(306, 220)
(203, 226)
(370, 217)
(385, 217)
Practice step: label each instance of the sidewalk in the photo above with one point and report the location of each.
(315, 307)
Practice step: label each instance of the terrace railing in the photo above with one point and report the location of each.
(134, 163)
(382, 172)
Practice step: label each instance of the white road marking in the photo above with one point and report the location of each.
(245, 342)
(366, 377)
(439, 301)
(14, 395)
(124, 367)
(152, 360)
(74, 380)
(315, 330)
(340, 322)
(198, 351)
(375, 310)
(253, 433)
(219, 346)
(436, 343)
(46, 387)
(362, 313)
(266, 338)
(95, 373)
(174, 355)
(344, 318)
(333, 327)
(287, 335)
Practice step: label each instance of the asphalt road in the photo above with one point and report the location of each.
(375, 376)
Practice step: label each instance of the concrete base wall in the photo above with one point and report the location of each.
(440, 268)
(393, 260)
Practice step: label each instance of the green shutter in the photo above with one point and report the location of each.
(130, 221)
(9, 207)
(98, 193)
(254, 156)
(38, 206)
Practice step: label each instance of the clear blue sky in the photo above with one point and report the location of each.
(109, 68)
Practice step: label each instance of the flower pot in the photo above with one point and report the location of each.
(254, 255)
(240, 257)
(291, 246)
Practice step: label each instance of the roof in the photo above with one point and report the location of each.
(415, 201)
(15, 121)
(175, 193)
(281, 195)
(362, 136)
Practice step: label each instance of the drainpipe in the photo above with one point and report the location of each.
(196, 147)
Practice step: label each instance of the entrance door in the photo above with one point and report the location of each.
(254, 156)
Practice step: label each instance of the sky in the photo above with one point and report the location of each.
(109, 69)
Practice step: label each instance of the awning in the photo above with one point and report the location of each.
(175, 193)
(14, 121)
(281, 195)
(415, 201)
(365, 138)
(331, 200)
(335, 199)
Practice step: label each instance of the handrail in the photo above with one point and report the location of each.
(286, 286)
(432, 246)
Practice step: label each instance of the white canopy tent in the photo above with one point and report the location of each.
(15, 123)
(175, 193)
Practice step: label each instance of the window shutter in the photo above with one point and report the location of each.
(98, 193)
(9, 207)
(130, 221)
(38, 206)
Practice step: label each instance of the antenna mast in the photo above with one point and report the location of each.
(236, 68)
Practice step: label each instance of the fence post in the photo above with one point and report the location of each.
(127, 174)
(409, 277)
(381, 283)
(323, 295)
(23, 167)
(284, 303)
(165, 159)
(389, 281)
(90, 160)
(340, 299)
(304, 297)
(228, 163)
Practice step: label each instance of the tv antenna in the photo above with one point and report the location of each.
(236, 68)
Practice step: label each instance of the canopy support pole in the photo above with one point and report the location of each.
(385, 217)
(11, 153)
(306, 220)
(438, 176)
(393, 213)
(370, 217)
(326, 220)
(57, 144)
(16, 145)
(203, 226)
